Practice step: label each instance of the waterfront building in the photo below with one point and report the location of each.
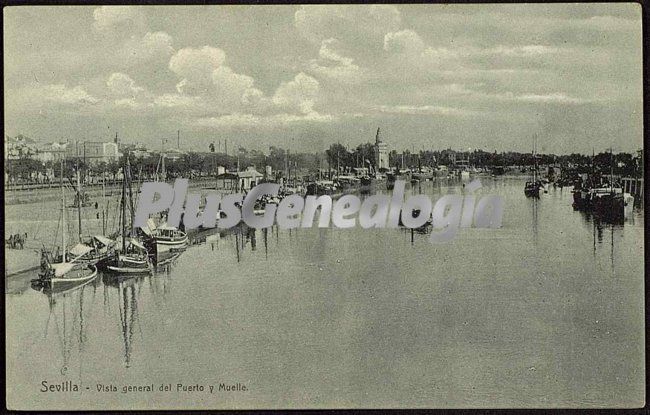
(249, 178)
(50, 152)
(19, 147)
(93, 151)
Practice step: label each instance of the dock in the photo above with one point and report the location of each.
(634, 187)
(18, 261)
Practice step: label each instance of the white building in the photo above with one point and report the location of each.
(93, 151)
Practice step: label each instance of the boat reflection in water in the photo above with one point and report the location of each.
(128, 289)
(66, 324)
(71, 309)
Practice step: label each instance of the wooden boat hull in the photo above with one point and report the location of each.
(581, 199)
(129, 265)
(391, 178)
(610, 207)
(127, 270)
(169, 246)
(532, 192)
(70, 281)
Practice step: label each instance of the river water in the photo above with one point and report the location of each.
(547, 311)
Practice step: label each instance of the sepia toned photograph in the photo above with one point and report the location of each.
(377, 206)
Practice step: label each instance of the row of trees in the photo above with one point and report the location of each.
(194, 164)
(621, 163)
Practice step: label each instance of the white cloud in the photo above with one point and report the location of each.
(110, 17)
(527, 50)
(238, 120)
(130, 103)
(122, 85)
(423, 110)
(333, 65)
(175, 101)
(205, 74)
(195, 66)
(557, 97)
(59, 93)
(230, 85)
(253, 97)
(404, 41)
(346, 22)
(509, 96)
(297, 95)
(150, 46)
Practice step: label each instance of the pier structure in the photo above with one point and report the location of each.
(633, 186)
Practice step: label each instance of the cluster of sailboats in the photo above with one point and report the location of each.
(602, 197)
(127, 251)
(592, 192)
(365, 180)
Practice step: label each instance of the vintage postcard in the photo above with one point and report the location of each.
(324, 206)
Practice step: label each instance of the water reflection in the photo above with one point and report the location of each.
(66, 321)
(70, 309)
(214, 307)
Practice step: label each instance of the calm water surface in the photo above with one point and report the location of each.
(545, 312)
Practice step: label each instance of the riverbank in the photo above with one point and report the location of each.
(18, 261)
(95, 192)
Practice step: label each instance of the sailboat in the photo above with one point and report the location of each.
(133, 257)
(610, 202)
(66, 273)
(532, 187)
(95, 249)
(165, 238)
(582, 187)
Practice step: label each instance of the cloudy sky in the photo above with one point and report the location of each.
(431, 76)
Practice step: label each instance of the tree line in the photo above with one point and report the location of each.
(194, 164)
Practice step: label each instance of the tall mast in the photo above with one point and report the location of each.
(593, 155)
(128, 176)
(338, 164)
(377, 155)
(124, 204)
(611, 170)
(534, 162)
(79, 201)
(63, 212)
(104, 208)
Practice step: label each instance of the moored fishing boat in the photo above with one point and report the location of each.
(322, 187)
(68, 273)
(533, 186)
(94, 251)
(66, 276)
(605, 198)
(392, 176)
(133, 257)
(611, 203)
(167, 238)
